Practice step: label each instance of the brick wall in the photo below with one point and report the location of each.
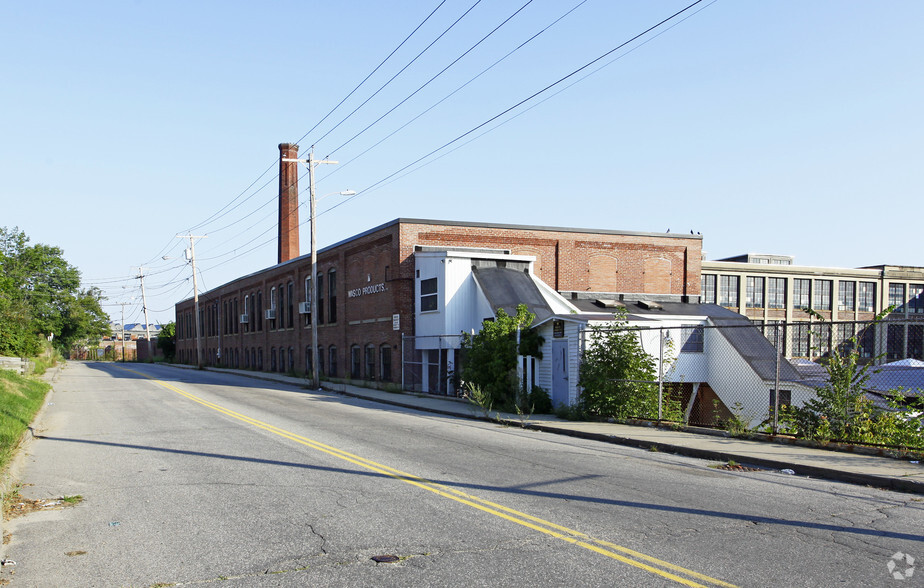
(374, 277)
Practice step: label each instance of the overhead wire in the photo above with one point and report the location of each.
(518, 104)
(526, 110)
(401, 171)
(360, 84)
(390, 80)
(458, 89)
(228, 208)
(433, 78)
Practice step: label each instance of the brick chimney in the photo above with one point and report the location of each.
(288, 202)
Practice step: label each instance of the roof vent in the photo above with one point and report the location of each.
(609, 303)
(649, 305)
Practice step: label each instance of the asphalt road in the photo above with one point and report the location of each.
(199, 478)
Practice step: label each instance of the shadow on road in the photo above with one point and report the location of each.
(522, 490)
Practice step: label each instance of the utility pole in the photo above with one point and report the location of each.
(144, 305)
(312, 162)
(122, 304)
(192, 259)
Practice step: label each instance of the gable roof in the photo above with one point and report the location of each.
(506, 288)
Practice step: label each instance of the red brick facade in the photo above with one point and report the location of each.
(373, 294)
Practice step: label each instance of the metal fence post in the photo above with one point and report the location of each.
(660, 372)
(776, 384)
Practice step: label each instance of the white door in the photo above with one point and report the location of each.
(560, 372)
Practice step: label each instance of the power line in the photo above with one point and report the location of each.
(458, 89)
(428, 82)
(359, 85)
(425, 49)
(518, 104)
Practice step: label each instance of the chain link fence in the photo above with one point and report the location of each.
(429, 364)
(723, 373)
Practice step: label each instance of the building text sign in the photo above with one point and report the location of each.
(366, 290)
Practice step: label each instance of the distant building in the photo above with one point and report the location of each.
(769, 288)
(134, 331)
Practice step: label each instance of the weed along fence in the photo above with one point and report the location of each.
(429, 363)
(728, 375)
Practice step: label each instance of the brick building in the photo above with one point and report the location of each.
(365, 289)
(368, 290)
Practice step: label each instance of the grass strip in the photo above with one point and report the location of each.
(20, 399)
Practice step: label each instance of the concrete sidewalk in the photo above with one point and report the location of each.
(872, 470)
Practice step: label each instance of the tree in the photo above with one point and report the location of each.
(40, 295)
(617, 377)
(491, 355)
(166, 340)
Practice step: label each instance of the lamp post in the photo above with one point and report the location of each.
(312, 163)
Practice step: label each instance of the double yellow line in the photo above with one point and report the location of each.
(611, 550)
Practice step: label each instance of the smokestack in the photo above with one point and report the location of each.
(288, 202)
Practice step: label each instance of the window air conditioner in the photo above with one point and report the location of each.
(304, 308)
(245, 318)
(270, 314)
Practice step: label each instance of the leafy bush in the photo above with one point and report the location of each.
(540, 401)
(491, 356)
(841, 411)
(618, 378)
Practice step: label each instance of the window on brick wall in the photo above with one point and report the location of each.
(355, 362)
(308, 293)
(385, 363)
(319, 290)
(332, 295)
(370, 362)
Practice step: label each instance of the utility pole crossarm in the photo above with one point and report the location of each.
(192, 259)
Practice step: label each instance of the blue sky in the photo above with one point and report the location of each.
(775, 127)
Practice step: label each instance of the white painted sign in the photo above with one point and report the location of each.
(366, 290)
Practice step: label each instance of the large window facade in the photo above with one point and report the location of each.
(866, 301)
(916, 298)
(897, 297)
(846, 295)
(728, 290)
(776, 293)
(801, 292)
(708, 288)
(822, 297)
(754, 292)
